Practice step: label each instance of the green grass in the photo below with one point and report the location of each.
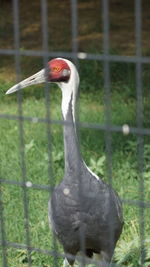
(124, 164)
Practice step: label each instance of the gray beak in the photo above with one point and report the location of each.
(39, 77)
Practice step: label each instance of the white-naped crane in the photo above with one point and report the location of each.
(85, 213)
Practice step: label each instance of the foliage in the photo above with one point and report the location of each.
(98, 165)
(128, 253)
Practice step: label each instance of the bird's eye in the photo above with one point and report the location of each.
(56, 69)
(65, 72)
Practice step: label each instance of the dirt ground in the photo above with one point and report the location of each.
(90, 37)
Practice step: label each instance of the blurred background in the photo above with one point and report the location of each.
(42, 161)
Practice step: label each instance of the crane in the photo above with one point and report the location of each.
(85, 213)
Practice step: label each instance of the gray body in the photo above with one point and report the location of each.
(85, 212)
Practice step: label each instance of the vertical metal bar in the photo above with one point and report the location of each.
(74, 29)
(21, 129)
(140, 139)
(107, 88)
(44, 18)
(2, 230)
(107, 104)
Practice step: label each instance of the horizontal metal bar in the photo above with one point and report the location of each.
(43, 251)
(112, 128)
(29, 185)
(34, 53)
(138, 203)
(79, 55)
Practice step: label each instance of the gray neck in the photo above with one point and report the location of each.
(73, 159)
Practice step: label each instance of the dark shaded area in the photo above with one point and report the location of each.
(90, 37)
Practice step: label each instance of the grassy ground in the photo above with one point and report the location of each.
(124, 163)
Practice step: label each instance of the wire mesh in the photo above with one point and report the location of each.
(108, 128)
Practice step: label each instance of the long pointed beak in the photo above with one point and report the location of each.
(38, 77)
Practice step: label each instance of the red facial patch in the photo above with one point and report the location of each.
(56, 70)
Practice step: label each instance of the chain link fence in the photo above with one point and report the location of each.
(108, 128)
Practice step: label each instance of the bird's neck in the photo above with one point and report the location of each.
(71, 145)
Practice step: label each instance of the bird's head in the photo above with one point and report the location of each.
(58, 70)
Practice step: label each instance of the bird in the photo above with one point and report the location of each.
(85, 213)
